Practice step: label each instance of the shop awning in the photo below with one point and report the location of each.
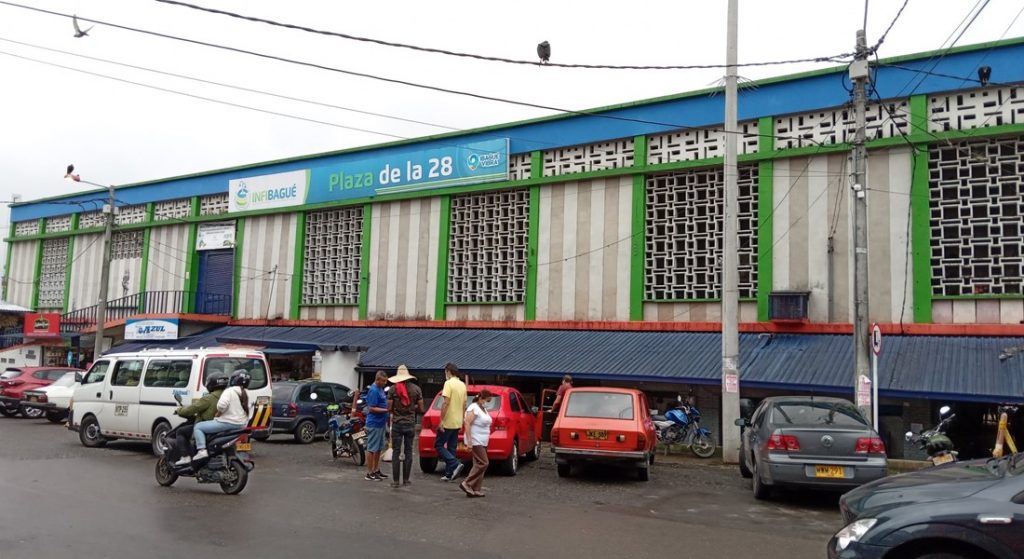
(961, 367)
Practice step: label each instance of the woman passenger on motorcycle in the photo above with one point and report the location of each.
(232, 412)
(203, 409)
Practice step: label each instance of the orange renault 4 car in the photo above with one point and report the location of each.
(611, 425)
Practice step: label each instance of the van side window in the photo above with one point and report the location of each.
(127, 372)
(97, 373)
(167, 373)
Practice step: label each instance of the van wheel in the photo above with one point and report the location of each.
(564, 470)
(428, 465)
(89, 433)
(56, 416)
(510, 466)
(305, 433)
(160, 446)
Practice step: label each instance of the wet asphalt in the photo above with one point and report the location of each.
(59, 499)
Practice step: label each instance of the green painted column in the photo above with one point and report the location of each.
(297, 265)
(70, 263)
(638, 230)
(144, 268)
(533, 236)
(364, 262)
(920, 226)
(7, 266)
(442, 257)
(191, 262)
(38, 268)
(765, 209)
(236, 290)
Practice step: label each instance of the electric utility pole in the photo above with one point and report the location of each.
(730, 271)
(861, 343)
(101, 306)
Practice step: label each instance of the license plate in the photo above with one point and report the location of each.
(33, 398)
(942, 459)
(264, 400)
(359, 436)
(597, 435)
(830, 471)
(243, 447)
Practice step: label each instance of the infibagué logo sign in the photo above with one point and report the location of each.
(268, 191)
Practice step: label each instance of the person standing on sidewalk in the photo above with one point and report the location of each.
(404, 401)
(452, 411)
(376, 424)
(477, 434)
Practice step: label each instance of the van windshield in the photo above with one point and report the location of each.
(228, 365)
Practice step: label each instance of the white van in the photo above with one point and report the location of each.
(131, 395)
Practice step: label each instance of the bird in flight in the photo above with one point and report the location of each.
(544, 52)
(78, 30)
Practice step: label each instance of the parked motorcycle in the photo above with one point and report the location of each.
(935, 442)
(681, 426)
(228, 463)
(345, 433)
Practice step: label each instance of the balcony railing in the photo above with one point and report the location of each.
(150, 302)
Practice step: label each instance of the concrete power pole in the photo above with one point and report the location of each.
(101, 306)
(861, 342)
(730, 259)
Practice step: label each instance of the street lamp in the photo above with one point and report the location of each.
(101, 306)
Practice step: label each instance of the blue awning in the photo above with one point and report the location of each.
(967, 368)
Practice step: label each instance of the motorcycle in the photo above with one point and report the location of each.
(935, 442)
(345, 433)
(681, 425)
(228, 464)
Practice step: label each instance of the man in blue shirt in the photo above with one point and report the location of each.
(376, 424)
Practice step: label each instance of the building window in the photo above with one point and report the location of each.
(977, 216)
(487, 247)
(334, 240)
(126, 245)
(52, 273)
(684, 234)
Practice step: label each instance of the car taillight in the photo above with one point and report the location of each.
(293, 410)
(784, 443)
(641, 441)
(870, 445)
(554, 437)
(501, 424)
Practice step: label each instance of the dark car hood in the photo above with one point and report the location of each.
(953, 481)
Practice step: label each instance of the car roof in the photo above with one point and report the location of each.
(187, 352)
(492, 388)
(34, 369)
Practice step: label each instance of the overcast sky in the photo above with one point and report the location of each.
(119, 133)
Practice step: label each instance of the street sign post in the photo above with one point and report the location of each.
(876, 350)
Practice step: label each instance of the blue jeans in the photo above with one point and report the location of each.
(446, 444)
(211, 427)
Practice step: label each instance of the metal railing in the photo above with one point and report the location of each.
(150, 302)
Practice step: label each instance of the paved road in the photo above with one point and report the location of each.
(58, 499)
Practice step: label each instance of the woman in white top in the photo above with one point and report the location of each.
(477, 433)
(232, 412)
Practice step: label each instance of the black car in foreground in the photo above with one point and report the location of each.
(963, 510)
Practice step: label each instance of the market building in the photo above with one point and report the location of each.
(589, 243)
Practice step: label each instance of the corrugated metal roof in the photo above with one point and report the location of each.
(966, 367)
(11, 307)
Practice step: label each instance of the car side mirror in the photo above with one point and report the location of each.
(78, 378)
(534, 410)
(742, 422)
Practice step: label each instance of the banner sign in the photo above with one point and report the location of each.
(151, 329)
(403, 171)
(40, 325)
(212, 236)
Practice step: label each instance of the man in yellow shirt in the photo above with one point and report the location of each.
(453, 412)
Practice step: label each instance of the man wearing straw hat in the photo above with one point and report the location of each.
(405, 399)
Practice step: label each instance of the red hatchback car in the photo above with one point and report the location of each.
(513, 435)
(610, 425)
(16, 380)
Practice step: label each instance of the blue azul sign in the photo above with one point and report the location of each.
(403, 171)
(151, 329)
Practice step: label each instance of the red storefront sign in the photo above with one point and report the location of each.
(40, 325)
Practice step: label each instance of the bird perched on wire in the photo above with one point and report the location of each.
(544, 52)
(78, 30)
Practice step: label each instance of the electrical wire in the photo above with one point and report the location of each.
(833, 58)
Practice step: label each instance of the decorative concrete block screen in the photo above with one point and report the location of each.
(89, 220)
(25, 228)
(172, 209)
(58, 224)
(487, 247)
(994, 106)
(684, 234)
(700, 143)
(126, 245)
(977, 216)
(837, 126)
(130, 214)
(519, 166)
(214, 204)
(591, 157)
(334, 240)
(52, 273)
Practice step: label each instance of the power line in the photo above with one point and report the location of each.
(382, 42)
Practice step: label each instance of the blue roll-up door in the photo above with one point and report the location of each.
(216, 281)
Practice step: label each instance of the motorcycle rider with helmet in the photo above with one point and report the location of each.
(203, 409)
(232, 412)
